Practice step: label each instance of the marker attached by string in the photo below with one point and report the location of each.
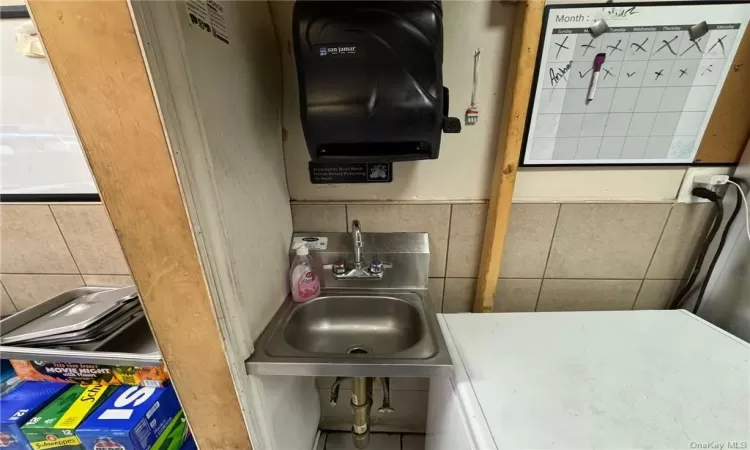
(598, 61)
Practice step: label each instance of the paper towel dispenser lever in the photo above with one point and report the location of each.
(370, 79)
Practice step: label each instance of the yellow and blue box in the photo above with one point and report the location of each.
(189, 443)
(54, 427)
(20, 405)
(133, 418)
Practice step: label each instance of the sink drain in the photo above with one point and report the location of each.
(357, 350)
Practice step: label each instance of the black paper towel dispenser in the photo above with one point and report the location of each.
(370, 79)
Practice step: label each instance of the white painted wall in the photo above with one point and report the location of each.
(220, 105)
(464, 169)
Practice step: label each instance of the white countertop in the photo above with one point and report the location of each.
(596, 380)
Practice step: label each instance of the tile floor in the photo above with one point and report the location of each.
(378, 441)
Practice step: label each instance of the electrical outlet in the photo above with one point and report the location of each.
(684, 195)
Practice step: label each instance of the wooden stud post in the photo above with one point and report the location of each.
(95, 55)
(526, 32)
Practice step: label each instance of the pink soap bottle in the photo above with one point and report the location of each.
(302, 280)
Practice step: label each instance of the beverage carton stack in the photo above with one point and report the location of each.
(45, 415)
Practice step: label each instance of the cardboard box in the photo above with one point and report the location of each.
(174, 436)
(90, 373)
(133, 418)
(189, 443)
(19, 405)
(54, 426)
(8, 378)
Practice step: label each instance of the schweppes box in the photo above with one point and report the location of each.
(19, 405)
(54, 426)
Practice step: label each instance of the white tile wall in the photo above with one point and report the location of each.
(601, 248)
(49, 249)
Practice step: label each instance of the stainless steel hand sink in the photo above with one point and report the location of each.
(354, 334)
(364, 324)
(373, 319)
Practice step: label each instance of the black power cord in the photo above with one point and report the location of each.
(719, 248)
(718, 218)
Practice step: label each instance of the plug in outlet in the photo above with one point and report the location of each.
(712, 180)
(694, 176)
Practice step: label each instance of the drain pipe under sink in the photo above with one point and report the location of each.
(361, 404)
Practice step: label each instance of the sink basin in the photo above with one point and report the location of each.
(392, 333)
(358, 324)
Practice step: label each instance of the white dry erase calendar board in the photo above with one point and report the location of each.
(655, 91)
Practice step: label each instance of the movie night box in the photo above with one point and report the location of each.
(133, 418)
(19, 405)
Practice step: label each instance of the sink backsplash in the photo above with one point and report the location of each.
(408, 255)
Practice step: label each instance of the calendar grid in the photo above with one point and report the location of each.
(655, 92)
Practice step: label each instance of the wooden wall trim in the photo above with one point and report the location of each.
(526, 32)
(94, 52)
(728, 129)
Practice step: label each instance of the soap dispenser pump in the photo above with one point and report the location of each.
(303, 282)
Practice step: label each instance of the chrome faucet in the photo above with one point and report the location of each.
(358, 269)
(357, 243)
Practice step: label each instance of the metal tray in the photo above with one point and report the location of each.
(106, 324)
(132, 347)
(76, 315)
(139, 318)
(93, 338)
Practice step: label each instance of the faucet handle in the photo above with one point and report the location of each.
(338, 267)
(376, 266)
